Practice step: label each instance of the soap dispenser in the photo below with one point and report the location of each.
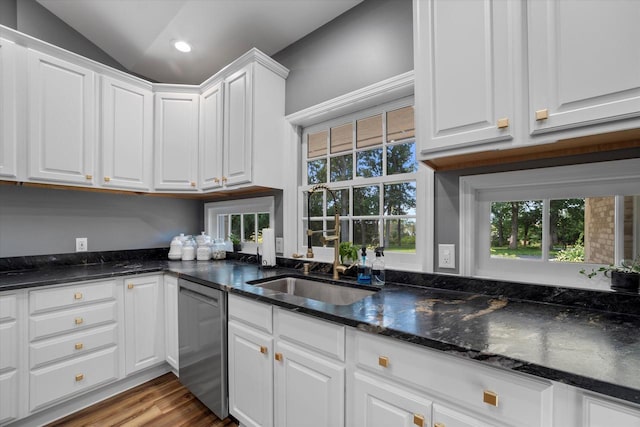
(364, 268)
(377, 268)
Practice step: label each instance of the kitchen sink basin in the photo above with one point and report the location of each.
(316, 290)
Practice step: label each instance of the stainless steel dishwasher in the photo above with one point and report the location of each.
(202, 319)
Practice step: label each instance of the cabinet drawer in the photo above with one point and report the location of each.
(71, 295)
(521, 401)
(256, 314)
(80, 318)
(55, 382)
(8, 349)
(8, 308)
(43, 352)
(325, 337)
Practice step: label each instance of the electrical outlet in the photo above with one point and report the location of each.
(279, 245)
(81, 244)
(447, 256)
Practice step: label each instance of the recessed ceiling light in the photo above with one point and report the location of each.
(182, 46)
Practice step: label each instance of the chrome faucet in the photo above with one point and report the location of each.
(335, 238)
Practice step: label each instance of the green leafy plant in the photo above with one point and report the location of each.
(626, 266)
(234, 239)
(348, 251)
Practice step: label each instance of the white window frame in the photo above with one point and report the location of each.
(621, 177)
(243, 206)
(423, 178)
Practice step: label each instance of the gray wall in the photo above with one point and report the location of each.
(39, 221)
(8, 13)
(447, 209)
(29, 17)
(369, 43)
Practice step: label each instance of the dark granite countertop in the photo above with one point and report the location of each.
(591, 349)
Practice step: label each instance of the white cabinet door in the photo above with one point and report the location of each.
(211, 113)
(61, 116)
(9, 345)
(8, 138)
(171, 321)
(144, 322)
(250, 376)
(379, 404)
(464, 73)
(176, 141)
(238, 127)
(444, 416)
(584, 66)
(604, 413)
(127, 135)
(309, 390)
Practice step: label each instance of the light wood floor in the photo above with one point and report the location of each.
(160, 402)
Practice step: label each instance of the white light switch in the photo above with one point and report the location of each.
(447, 256)
(279, 245)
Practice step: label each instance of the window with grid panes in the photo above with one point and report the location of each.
(369, 162)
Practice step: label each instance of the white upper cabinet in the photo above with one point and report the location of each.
(8, 138)
(584, 66)
(238, 155)
(127, 135)
(176, 141)
(61, 115)
(464, 73)
(211, 115)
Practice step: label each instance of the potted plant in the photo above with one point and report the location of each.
(624, 277)
(348, 253)
(235, 240)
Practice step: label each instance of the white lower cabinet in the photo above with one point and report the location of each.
(606, 413)
(376, 403)
(9, 358)
(250, 375)
(309, 389)
(296, 384)
(172, 349)
(144, 322)
(73, 340)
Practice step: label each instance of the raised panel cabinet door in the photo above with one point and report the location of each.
(171, 321)
(250, 376)
(9, 342)
(8, 138)
(578, 76)
(211, 114)
(61, 117)
(144, 322)
(604, 413)
(127, 135)
(379, 404)
(444, 416)
(309, 390)
(176, 141)
(238, 127)
(464, 73)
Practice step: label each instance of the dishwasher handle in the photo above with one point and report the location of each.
(200, 297)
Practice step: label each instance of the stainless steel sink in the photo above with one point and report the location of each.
(315, 290)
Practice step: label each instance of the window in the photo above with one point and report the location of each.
(546, 225)
(369, 162)
(243, 218)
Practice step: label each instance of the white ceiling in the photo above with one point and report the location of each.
(139, 33)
